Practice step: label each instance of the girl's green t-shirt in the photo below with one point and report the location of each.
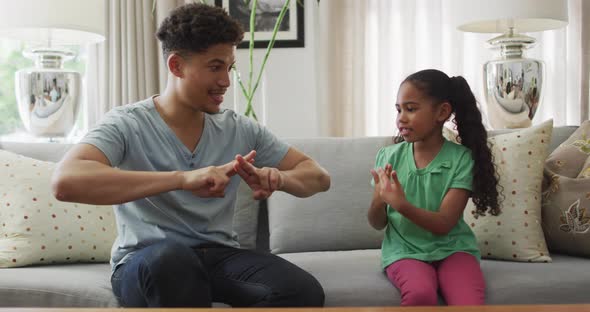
(425, 188)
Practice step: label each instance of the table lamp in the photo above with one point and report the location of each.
(513, 84)
(49, 96)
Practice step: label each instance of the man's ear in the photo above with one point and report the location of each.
(444, 111)
(175, 63)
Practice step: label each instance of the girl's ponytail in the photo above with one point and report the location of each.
(474, 136)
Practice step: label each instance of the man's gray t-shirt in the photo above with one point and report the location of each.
(135, 137)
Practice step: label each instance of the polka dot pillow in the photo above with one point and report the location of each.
(516, 234)
(35, 228)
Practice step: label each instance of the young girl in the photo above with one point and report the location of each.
(422, 186)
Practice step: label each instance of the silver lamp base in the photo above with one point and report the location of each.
(513, 84)
(48, 96)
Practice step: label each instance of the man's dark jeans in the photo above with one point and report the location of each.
(169, 274)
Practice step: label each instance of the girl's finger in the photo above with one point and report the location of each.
(375, 176)
(394, 177)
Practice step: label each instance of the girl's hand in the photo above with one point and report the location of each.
(391, 191)
(388, 170)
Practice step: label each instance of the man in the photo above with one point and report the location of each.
(171, 165)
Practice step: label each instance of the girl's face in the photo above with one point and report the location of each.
(419, 116)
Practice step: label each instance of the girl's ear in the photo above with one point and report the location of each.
(175, 63)
(444, 111)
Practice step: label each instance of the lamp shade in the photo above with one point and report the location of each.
(497, 16)
(53, 22)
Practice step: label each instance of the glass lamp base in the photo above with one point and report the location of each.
(48, 96)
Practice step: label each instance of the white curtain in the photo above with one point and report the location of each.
(368, 47)
(128, 65)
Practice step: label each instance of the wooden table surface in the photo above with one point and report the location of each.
(489, 308)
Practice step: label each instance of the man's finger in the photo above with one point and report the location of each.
(248, 167)
(216, 193)
(217, 184)
(241, 172)
(261, 194)
(250, 156)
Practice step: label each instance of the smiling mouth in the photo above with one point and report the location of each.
(404, 131)
(217, 95)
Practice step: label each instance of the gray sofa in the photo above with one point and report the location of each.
(326, 234)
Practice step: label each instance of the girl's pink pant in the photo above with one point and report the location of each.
(458, 277)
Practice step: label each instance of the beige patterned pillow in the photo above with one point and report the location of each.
(35, 228)
(516, 233)
(585, 173)
(566, 195)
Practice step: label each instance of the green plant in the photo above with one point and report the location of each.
(250, 89)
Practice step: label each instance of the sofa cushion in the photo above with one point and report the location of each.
(72, 285)
(516, 233)
(36, 228)
(558, 135)
(245, 221)
(566, 197)
(569, 158)
(349, 278)
(585, 173)
(563, 281)
(354, 278)
(333, 220)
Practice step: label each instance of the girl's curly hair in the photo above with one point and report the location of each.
(194, 27)
(472, 134)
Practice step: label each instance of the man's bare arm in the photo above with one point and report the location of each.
(86, 176)
(302, 176)
(296, 174)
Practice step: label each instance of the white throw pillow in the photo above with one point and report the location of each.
(35, 228)
(516, 234)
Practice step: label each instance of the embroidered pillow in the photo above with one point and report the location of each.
(585, 173)
(35, 228)
(515, 234)
(566, 195)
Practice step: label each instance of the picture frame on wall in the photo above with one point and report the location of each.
(291, 32)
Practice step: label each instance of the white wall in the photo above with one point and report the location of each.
(286, 100)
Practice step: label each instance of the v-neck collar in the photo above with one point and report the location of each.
(434, 163)
(164, 127)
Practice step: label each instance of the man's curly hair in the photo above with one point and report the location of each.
(194, 27)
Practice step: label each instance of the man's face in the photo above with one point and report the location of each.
(205, 77)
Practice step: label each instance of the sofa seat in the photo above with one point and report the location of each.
(349, 278)
(354, 278)
(68, 285)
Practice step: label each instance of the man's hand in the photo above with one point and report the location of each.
(390, 191)
(263, 181)
(211, 181)
(230, 167)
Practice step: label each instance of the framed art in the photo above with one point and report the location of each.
(291, 30)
